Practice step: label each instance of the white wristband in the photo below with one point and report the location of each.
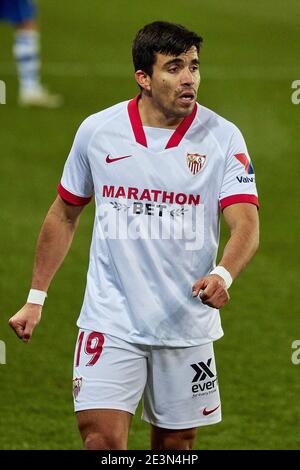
(224, 274)
(36, 297)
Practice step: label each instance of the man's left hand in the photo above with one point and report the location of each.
(211, 290)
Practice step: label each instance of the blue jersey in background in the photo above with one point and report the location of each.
(17, 11)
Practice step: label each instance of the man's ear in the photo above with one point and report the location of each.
(143, 80)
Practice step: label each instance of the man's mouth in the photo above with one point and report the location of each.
(187, 96)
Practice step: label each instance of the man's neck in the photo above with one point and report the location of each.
(152, 116)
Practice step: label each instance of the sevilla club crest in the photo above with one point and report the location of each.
(77, 382)
(195, 162)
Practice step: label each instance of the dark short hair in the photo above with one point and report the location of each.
(161, 37)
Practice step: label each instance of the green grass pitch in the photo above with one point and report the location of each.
(249, 59)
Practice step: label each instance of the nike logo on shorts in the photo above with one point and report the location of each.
(207, 412)
(111, 160)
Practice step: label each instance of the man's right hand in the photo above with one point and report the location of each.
(25, 320)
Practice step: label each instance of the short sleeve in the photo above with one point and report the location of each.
(76, 186)
(239, 178)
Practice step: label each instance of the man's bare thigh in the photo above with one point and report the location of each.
(104, 429)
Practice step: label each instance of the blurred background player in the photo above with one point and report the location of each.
(22, 14)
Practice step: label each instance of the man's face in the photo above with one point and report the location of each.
(174, 83)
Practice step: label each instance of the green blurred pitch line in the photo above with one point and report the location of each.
(214, 72)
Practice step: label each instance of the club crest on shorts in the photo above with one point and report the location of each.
(195, 162)
(77, 383)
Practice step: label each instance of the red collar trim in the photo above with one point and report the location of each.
(136, 122)
(138, 130)
(182, 129)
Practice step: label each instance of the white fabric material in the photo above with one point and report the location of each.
(140, 276)
(221, 271)
(110, 373)
(157, 138)
(36, 296)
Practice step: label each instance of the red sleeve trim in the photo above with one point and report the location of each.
(228, 201)
(71, 198)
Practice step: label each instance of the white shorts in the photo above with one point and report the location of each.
(179, 386)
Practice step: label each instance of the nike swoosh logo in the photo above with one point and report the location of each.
(111, 160)
(208, 412)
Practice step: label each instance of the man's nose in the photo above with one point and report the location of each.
(187, 78)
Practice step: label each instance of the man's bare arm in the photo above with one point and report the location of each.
(243, 222)
(53, 244)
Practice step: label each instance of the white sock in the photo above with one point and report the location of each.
(26, 52)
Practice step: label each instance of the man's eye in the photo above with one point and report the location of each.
(173, 69)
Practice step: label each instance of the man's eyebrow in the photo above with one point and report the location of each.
(173, 61)
(178, 61)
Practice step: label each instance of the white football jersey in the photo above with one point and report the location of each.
(156, 227)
